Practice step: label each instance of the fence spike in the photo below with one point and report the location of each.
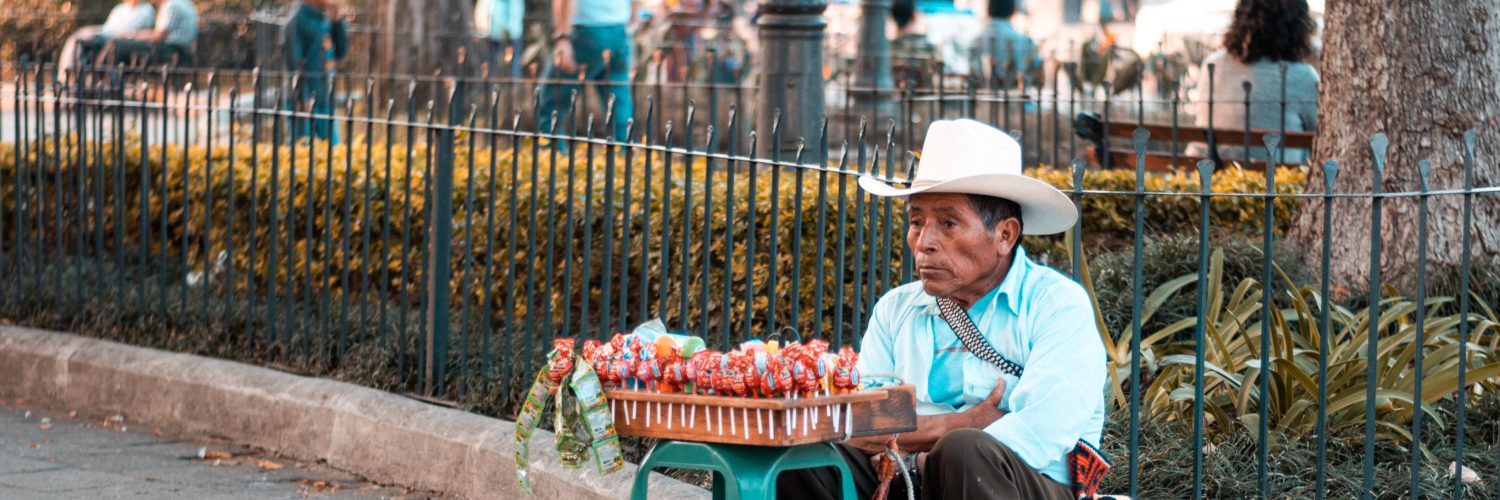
(1078, 167)
(1378, 146)
(1139, 138)
(609, 114)
(1205, 175)
(1273, 147)
(1424, 170)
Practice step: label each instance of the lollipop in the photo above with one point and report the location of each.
(646, 368)
(845, 372)
(673, 376)
(703, 366)
(819, 347)
(562, 362)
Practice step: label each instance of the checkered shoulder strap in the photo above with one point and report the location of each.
(971, 338)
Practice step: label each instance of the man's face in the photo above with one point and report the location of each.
(956, 256)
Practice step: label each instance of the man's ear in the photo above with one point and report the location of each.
(1007, 234)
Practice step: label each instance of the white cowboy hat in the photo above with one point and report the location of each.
(965, 156)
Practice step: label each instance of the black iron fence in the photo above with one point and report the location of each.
(435, 243)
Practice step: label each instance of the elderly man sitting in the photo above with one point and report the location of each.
(1007, 362)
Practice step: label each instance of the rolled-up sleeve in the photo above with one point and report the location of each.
(1063, 383)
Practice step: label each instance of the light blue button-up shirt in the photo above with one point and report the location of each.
(1041, 320)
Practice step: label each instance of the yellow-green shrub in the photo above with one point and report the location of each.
(312, 256)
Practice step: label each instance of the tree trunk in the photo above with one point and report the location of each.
(422, 37)
(1423, 72)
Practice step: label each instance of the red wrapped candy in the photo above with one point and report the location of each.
(562, 362)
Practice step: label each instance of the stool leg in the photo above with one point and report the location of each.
(848, 480)
(761, 488)
(642, 477)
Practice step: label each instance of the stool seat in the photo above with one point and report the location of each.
(741, 472)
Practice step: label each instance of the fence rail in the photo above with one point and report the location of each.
(448, 237)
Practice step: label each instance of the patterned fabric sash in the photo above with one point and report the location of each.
(972, 339)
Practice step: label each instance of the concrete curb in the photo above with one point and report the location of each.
(373, 433)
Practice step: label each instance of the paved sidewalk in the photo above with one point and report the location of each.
(45, 455)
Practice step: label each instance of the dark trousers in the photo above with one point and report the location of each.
(134, 51)
(611, 78)
(501, 63)
(316, 90)
(965, 464)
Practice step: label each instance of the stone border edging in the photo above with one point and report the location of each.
(373, 433)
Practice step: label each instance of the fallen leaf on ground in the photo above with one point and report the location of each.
(267, 465)
(311, 486)
(46, 426)
(34, 446)
(22, 401)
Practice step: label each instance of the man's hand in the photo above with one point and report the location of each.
(931, 428)
(562, 56)
(987, 411)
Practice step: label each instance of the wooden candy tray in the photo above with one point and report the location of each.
(766, 421)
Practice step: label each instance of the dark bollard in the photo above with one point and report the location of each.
(874, 88)
(791, 37)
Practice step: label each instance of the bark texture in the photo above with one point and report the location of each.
(1423, 72)
(422, 37)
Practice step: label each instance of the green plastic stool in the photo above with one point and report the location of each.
(741, 472)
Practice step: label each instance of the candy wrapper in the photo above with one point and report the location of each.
(583, 423)
(650, 358)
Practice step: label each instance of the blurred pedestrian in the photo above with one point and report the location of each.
(170, 38)
(313, 41)
(501, 23)
(912, 54)
(1264, 35)
(129, 16)
(1010, 55)
(591, 38)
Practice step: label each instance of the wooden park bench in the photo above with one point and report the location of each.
(1111, 143)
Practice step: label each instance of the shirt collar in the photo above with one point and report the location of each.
(1010, 287)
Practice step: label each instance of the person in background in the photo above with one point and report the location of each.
(314, 40)
(1264, 36)
(591, 38)
(1010, 56)
(127, 17)
(501, 23)
(169, 40)
(911, 52)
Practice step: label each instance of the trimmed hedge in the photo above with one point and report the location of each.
(340, 210)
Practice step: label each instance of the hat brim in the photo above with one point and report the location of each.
(1044, 209)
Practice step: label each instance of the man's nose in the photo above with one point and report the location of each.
(926, 241)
